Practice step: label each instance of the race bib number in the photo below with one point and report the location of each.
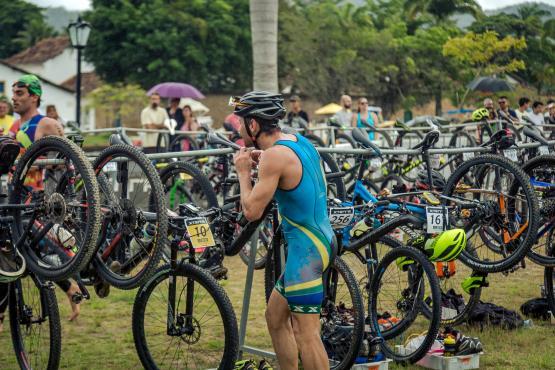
(341, 216)
(110, 167)
(511, 154)
(435, 161)
(468, 156)
(543, 150)
(199, 232)
(435, 220)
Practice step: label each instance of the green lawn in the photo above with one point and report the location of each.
(102, 338)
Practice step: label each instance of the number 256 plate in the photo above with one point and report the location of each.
(199, 232)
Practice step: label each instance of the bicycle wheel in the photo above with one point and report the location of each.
(315, 140)
(541, 170)
(183, 143)
(35, 324)
(135, 225)
(402, 278)
(387, 139)
(56, 212)
(162, 143)
(265, 235)
(456, 304)
(342, 315)
(336, 186)
(183, 182)
(191, 325)
(460, 139)
(499, 212)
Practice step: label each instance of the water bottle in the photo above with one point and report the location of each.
(361, 227)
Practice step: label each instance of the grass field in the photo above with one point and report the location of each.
(101, 338)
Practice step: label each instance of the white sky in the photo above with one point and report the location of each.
(85, 4)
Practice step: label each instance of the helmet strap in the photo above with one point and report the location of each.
(249, 132)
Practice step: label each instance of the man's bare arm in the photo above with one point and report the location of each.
(49, 126)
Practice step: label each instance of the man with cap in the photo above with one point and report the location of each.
(31, 125)
(296, 110)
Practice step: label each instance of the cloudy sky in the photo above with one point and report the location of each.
(85, 4)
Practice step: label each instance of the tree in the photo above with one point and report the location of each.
(116, 101)
(485, 54)
(264, 27)
(420, 12)
(21, 25)
(201, 42)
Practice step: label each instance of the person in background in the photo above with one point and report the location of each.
(176, 113)
(523, 105)
(345, 115)
(190, 124)
(488, 104)
(6, 119)
(364, 118)
(296, 110)
(504, 111)
(51, 112)
(536, 116)
(152, 117)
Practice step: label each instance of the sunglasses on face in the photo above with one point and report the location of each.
(502, 102)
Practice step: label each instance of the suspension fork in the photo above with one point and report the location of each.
(172, 289)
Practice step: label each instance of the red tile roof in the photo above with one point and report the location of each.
(89, 82)
(41, 52)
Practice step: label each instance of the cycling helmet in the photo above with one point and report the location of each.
(473, 282)
(437, 178)
(446, 246)
(259, 104)
(12, 266)
(403, 263)
(480, 114)
(9, 150)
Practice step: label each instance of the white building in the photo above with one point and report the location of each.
(54, 61)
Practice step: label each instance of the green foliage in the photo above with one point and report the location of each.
(117, 100)
(21, 25)
(205, 43)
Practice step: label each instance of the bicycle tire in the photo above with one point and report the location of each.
(330, 166)
(175, 144)
(348, 138)
(375, 286)
(317, 140)
(396, 180)
(156, 204)
(532, 205)
(528, 167)
(86, 250)
(454, 144)
(387, 138)
(48, 310)
(162, 143)
(199, 177)
(198, 276)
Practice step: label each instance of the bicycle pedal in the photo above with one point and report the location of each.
(218, 272)
(77, 298)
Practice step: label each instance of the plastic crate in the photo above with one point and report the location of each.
(380, 365)
(438, 362)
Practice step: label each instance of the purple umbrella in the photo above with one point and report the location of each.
(176, 90)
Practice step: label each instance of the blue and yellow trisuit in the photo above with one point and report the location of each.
(307, 230)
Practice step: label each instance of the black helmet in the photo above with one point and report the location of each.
(259, 104)
(423, 184)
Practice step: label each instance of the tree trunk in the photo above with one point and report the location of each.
(438, 97)
(264, 28)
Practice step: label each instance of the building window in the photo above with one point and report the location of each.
(2, 87)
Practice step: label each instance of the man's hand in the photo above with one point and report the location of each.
(243, 161)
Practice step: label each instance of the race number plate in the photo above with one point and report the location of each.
(511, 154)
(199, 232)
(435, 161)
(435, 219)
(543, 150)
(341, 216)
(468, 156)
(110, 167)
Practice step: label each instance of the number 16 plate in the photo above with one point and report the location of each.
(199, 232)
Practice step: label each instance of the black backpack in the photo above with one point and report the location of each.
(536, 308)
(489, 314)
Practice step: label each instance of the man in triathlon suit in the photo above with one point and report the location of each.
(30, 127)
(289, 171)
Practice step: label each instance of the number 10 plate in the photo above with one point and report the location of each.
(199, 232)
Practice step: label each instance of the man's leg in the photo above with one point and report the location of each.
(278, 319)
(306, 328)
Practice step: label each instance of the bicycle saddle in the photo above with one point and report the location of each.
(215, 138)
(534, 135)
(502, 139)
(9, 150)
(429, 140)
(361, 137)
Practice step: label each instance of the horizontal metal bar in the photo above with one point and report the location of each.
(258, 351)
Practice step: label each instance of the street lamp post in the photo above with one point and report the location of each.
(79, 35)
